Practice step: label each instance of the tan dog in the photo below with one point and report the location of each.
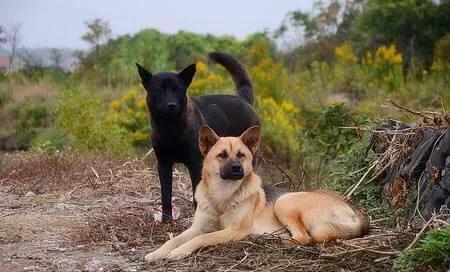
(232, 203)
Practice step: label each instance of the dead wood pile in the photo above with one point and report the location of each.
(413, 161)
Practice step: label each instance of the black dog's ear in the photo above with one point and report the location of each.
(145, 75)
(251, 137)
(207, 138)
(187, 74)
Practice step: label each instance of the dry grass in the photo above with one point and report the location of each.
(131, 227)
(123, 194)
(74, 173)
(22, 92)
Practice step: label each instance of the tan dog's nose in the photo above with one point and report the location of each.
(233, 170)
(236, 167)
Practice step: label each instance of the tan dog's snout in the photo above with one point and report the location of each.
(233, 170)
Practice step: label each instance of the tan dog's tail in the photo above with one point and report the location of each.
(364, 222)
(352, 230)
(361, 226)
(240, 76)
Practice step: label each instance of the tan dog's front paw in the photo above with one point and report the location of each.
(302, 239)
(178, 254)
(154, 256)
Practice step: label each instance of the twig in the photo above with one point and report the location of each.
(444, 223)
(395, 105)
(374, 236)
(238, 263)
(356, 128)
(370, 249)
(281, 169)
(418, 235)
(147, 154)
(95, 172)
(380, 220)
(382, 259)
(416, 209)
(353, 189)
(344, 252)
(267, 167)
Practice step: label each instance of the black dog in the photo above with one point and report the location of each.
(176, 118)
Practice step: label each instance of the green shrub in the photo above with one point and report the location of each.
(2, 75)
(432, 252)
(83, 120)
(323, 138)
(349, 167)
(49, 141)
(32, 119)
(5, 95)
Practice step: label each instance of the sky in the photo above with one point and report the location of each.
(60, 23)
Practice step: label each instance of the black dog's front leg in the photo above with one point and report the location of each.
(195, 172)
(165, 179)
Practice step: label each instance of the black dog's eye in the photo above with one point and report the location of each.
(223, 155)
(240, 155)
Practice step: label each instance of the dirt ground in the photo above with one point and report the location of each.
(71, 212)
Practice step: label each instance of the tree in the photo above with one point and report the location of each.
(13, 39)
(312, 26)
(313, 33)
(30, 59)
(414, 25)
(56, 57)
(98, 32)
(2, 35)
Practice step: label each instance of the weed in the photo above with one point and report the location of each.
(433, 252)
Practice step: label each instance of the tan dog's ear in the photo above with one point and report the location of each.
(207, 138)
(251, 137)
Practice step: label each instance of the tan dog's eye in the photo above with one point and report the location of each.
(240, 155)
(223, 155)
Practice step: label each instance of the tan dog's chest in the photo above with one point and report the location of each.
(231, 217)
(253, 211)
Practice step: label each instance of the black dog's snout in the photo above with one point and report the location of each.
(171, 105)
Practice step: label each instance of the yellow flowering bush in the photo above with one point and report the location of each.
(207, 81)
(130, 112)
(270, 78)
(387, 55)
(280, 126)
(345, 53)
(271, 81)
(347, 75)
(385, 66)
(441, 54)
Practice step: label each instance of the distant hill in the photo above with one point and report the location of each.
(44, 56)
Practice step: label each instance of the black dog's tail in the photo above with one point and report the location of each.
(240, 76)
